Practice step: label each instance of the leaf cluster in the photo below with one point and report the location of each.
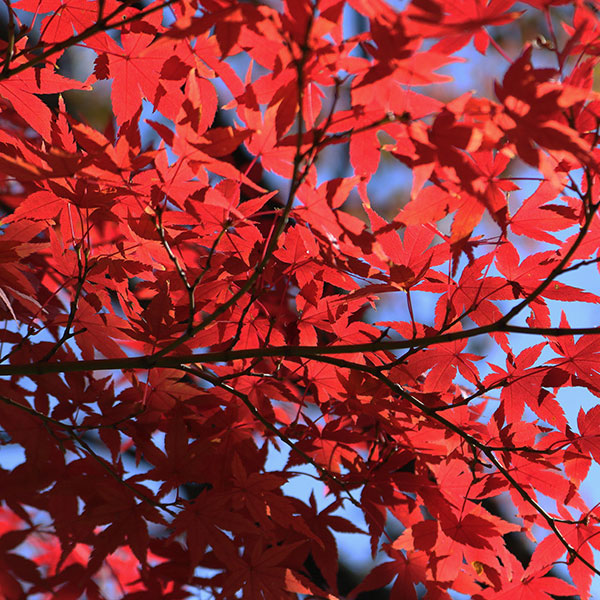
(175, 314)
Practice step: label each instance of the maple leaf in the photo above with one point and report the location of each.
(529, 583)
(536, 217)
(440, 364)
(534, 105)
(205, 522)
(406, 570)
(470, 530)
(589, 440)
(65, 16)
(549, 550)
(137, 71)
(578, 358)
(460, 22)
(260, 574)
(92, 322)
(21, 89)
(324, 546)
(525, 386)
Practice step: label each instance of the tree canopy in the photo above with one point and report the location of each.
(205, 302)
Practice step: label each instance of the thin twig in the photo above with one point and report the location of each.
(83, 270)
(543, 285)
(71, 433)
(268, 425)
(10, 47)
(100, 26)
(475, 443)
(298, 176)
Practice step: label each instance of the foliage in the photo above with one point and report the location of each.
(179, 310)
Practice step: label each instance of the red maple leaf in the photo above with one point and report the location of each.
(21, 89)
(141, 69)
